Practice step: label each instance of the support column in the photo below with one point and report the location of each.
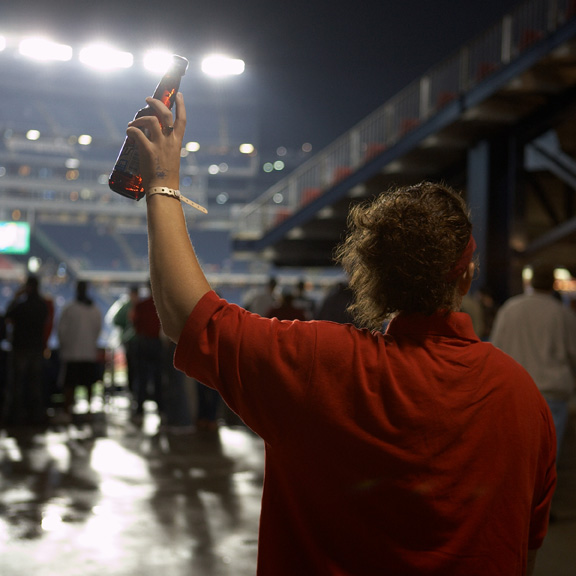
(492, 183)
(478, 192)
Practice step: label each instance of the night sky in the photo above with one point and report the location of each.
(318, 67)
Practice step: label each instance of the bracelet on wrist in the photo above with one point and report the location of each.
(163, 191)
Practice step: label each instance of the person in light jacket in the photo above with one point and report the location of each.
(78, 331)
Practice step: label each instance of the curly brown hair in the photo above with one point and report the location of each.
(400, 248)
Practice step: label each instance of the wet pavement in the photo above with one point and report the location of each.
(557, 557)
(106, 497)
(101, 496)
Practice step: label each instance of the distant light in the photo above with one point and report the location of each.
(306, 147)
(104, 57)
(213, 169)
(222, 198)
(246, 148)
(218, 66)
(278, 198)
(84, 139)
(43, 49)
(268, 167)
(279, 165)
(2, 43)
(562, 274)
(223, 167)
(51, 522)
(33, 134)
(157, 61)
(192, 146)
(281, 151)
(72, 163)
(34, 264)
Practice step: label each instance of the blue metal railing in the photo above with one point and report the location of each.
(530, 23)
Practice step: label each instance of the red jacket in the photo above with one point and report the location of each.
(145, 319)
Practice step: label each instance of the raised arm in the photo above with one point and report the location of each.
(177, 280)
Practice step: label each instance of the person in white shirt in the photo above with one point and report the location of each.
(78, 331)
(262, 300)
(539, 332)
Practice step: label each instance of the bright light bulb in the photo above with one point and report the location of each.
(219, 66)
(157, 61)
(104, 57)
(43, 49)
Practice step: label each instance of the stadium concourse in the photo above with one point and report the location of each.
(106, 497)
(103, 497)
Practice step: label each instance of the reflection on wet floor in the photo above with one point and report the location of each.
(101, 496)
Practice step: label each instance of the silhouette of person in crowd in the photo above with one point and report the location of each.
(336, 305)
(286, 309)
(148, 357)
(208, 405)
(260, 301)
(178, 419)
(28, 318)
(303, 301)
(78, 329)
(123, 320)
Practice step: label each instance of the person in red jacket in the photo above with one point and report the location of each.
(147, 357)
(418, 451)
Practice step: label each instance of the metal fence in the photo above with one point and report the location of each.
(530, 23)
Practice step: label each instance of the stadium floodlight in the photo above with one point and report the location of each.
(44, 49)
(105, 57)
(219, 66)
(157, 61)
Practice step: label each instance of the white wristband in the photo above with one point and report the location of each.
(175, 194)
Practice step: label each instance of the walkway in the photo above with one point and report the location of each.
(107, 498)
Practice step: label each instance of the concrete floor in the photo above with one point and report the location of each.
(108, 498)
(557, 556)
